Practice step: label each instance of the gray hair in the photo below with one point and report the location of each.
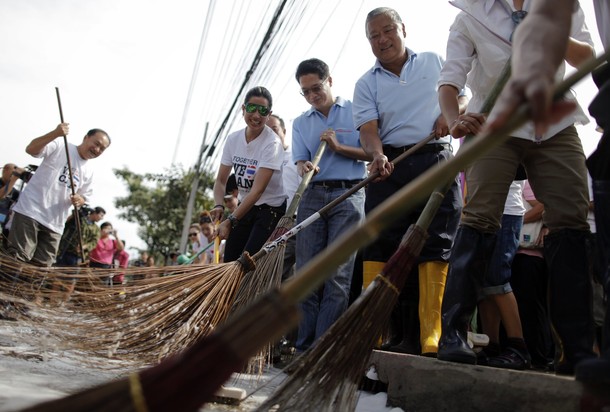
(390, 12)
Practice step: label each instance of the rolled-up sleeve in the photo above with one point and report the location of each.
(460, 55)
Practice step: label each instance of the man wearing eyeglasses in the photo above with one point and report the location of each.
(330, 120)
(395, 107)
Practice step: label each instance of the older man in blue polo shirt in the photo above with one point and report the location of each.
(340, 168)
(396, 106)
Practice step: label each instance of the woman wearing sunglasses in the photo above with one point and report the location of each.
(256, 155)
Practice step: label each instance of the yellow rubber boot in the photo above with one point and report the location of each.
(432, 277)
(370, 269)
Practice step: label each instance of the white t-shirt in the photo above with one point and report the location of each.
(246, 158)
(290, 176)
(514, 200)
(46, 198)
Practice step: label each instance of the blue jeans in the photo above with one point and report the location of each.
(322, 308)
(497, 279)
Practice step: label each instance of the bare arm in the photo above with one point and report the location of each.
(453, 108)
(371, 144)
(119, 243)
(535, 213)
(35, 147)
(357, 153)
(261, 180)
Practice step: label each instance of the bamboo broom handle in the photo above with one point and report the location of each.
(76, 216)
(317, 270)
(292, 209)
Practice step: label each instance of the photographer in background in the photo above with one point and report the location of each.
(44, 205)
(8, 193)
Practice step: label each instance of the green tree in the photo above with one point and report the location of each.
(158, 202)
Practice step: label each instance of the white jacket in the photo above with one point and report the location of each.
(479, 46)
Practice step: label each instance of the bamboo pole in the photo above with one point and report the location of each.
(75, 211)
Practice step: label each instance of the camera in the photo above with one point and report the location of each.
(27, 173)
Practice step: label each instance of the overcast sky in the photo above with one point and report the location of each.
(126, 66)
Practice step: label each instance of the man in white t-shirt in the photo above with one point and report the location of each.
(44, 205)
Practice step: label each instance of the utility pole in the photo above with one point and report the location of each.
(188, 216)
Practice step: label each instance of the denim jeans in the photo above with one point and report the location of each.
(497, 279)
(322, 308)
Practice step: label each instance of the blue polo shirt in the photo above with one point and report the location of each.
(306, 132)
(405, 107)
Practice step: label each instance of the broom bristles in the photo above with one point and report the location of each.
(185, 381)
(339, 358)
(143, 322)
(352, 337)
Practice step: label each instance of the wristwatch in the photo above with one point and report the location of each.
(234, 221)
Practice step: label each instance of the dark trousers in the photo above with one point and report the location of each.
(599, 169)
(529, 281)
(253, 230)
(444, 225)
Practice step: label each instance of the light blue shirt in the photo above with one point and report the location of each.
(405, 107)
(306, 132)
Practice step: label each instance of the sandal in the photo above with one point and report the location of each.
(511, 358)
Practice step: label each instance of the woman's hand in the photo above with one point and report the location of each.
(224, 229)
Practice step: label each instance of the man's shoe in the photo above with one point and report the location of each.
(511, 358)
(455, 349)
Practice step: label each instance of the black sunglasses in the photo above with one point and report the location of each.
(252, 107)
(193, 234)
(205, 219)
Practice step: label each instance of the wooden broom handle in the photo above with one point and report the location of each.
(75, 211)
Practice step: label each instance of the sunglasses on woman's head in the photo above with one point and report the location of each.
(205, 219)
(252, 107)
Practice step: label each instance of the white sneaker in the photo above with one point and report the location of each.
(477, 339)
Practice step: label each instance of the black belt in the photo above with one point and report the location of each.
(336, 184)
(429, 148)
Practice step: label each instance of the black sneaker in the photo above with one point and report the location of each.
(511, 358)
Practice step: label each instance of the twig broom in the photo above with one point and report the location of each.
(185, 381)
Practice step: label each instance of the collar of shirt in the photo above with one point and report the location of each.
(339, 101)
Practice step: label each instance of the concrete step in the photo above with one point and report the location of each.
(420, 384)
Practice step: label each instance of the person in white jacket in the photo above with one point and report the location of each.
(540, 45)
(480, 43)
